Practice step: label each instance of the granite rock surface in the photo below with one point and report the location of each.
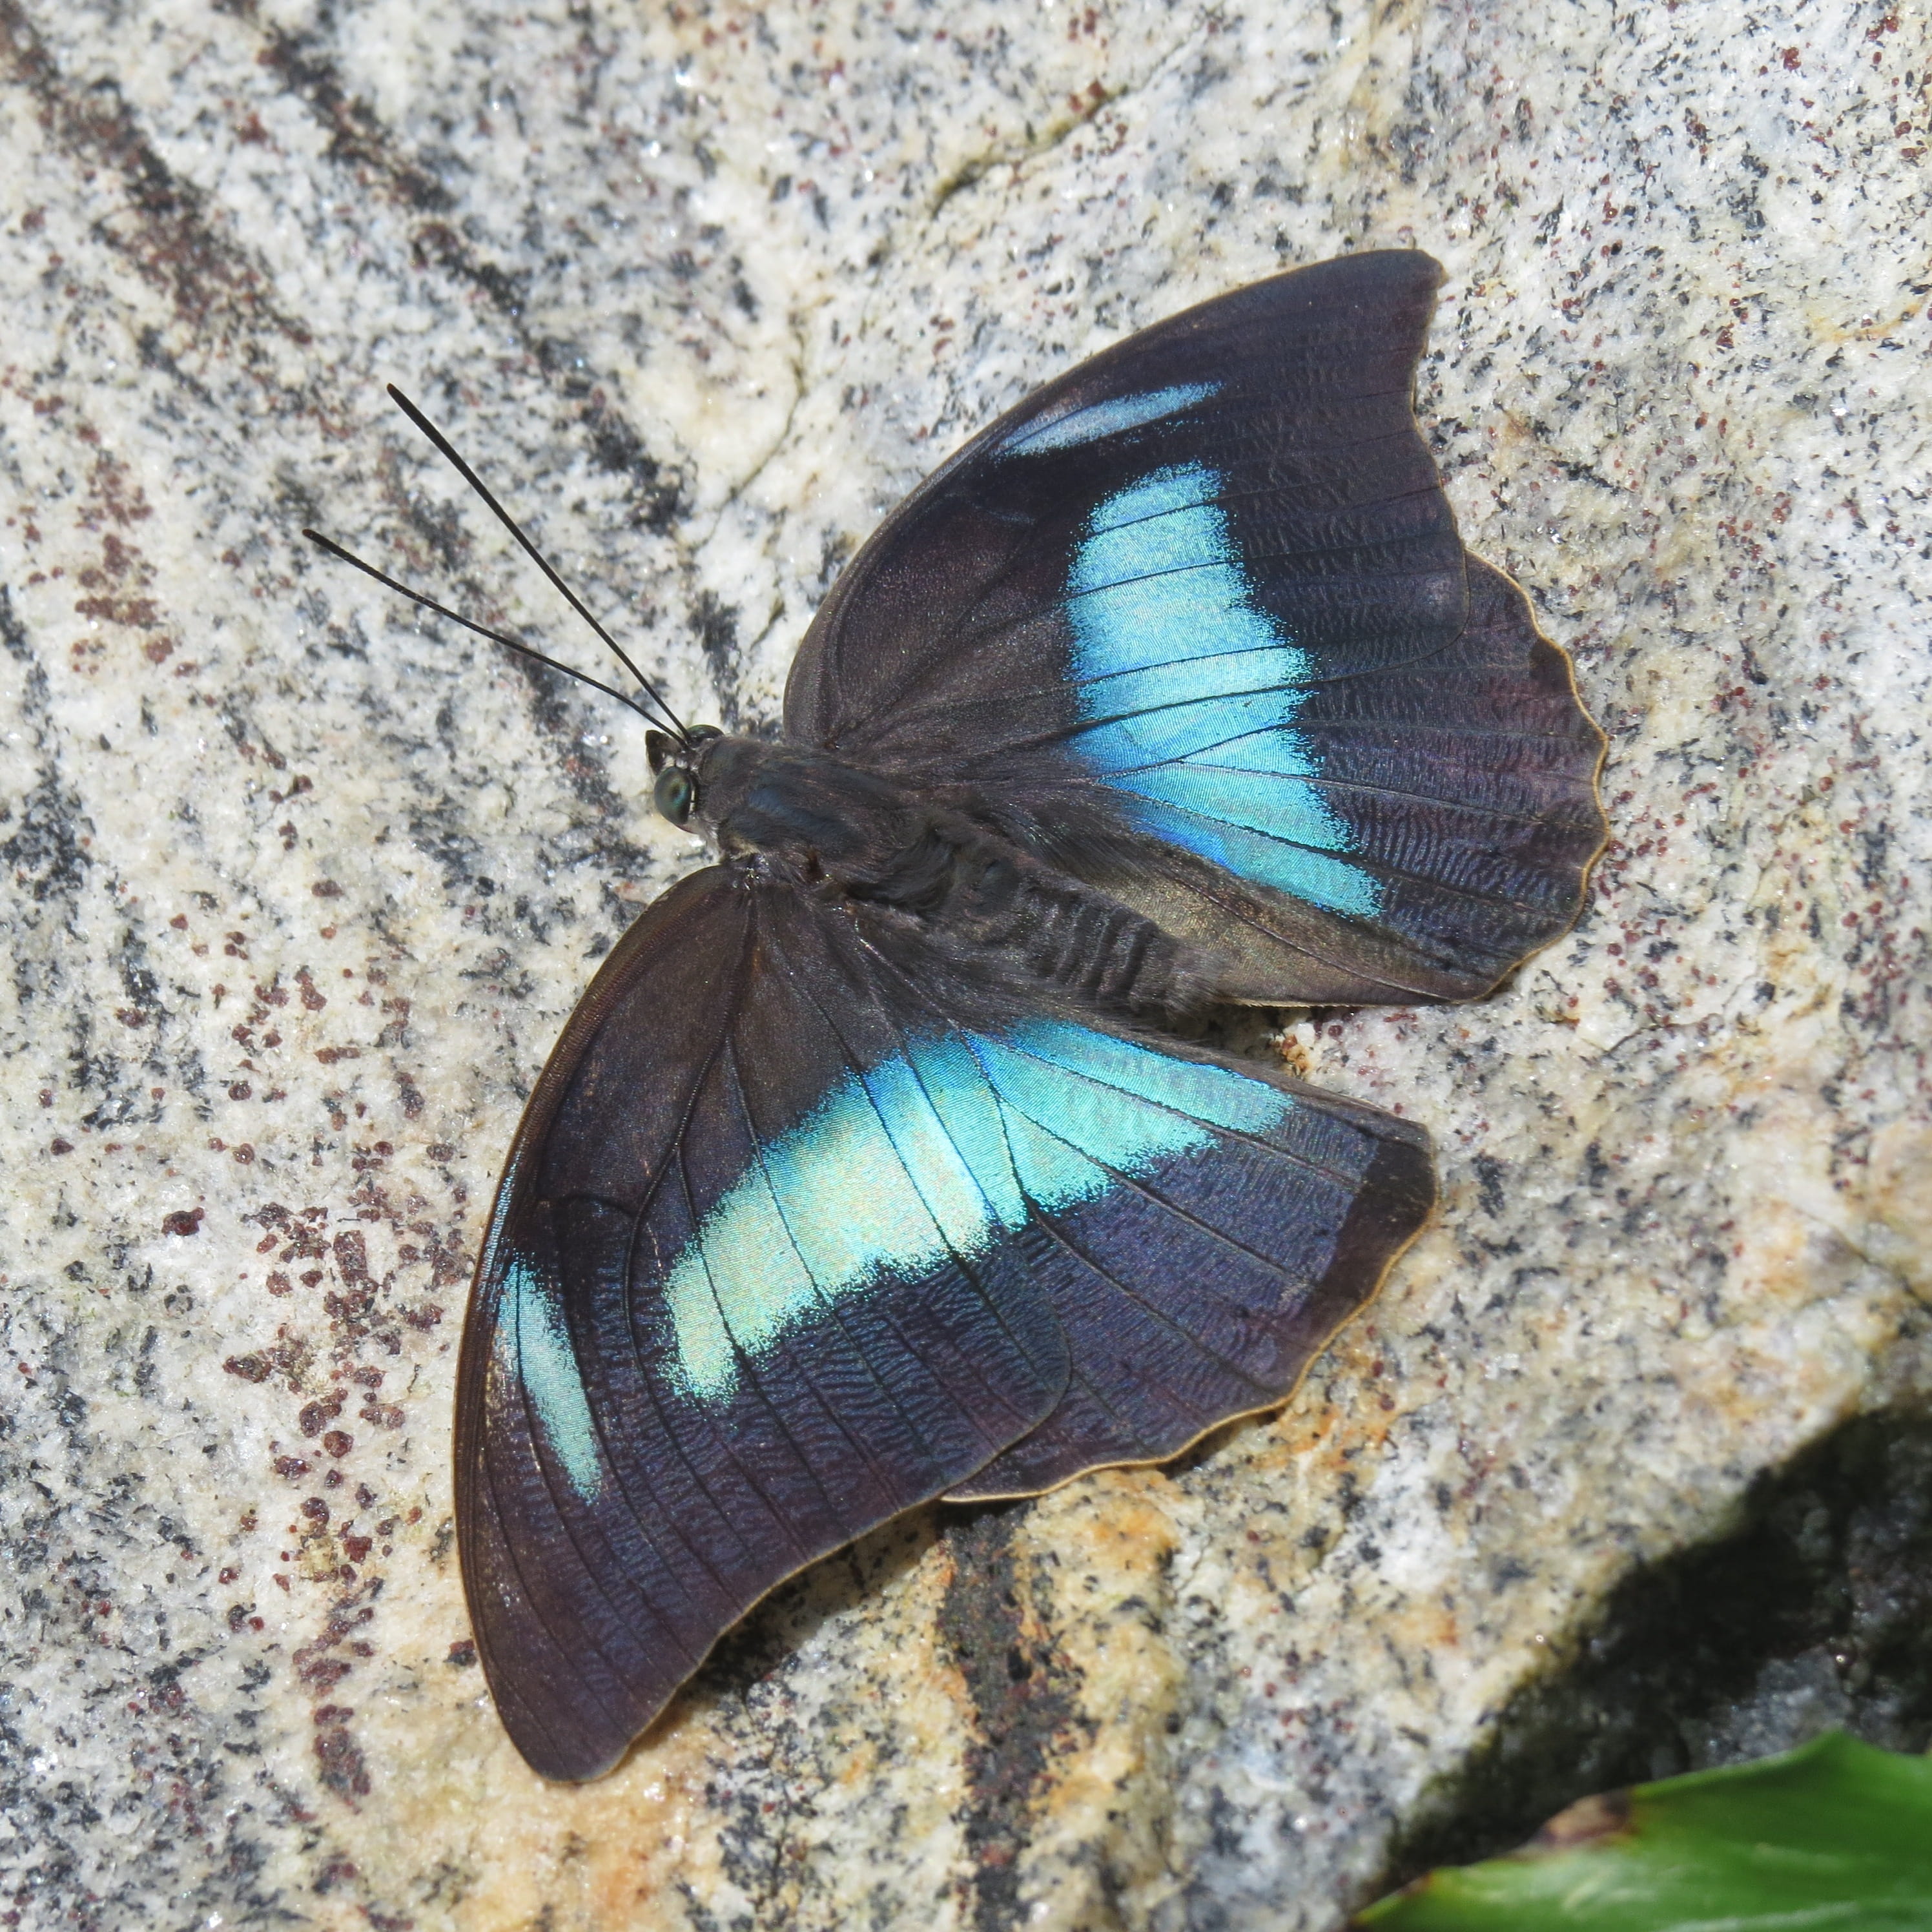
(298, 891)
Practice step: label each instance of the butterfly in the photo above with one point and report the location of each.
(869, 1170)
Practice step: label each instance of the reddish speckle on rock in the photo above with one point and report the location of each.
(183, 1221)
(315, 1414)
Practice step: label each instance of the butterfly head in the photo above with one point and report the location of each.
(674, 762)
(808, 813)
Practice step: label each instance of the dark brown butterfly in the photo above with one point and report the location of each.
(864, 1173)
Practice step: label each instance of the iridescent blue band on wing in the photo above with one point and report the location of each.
(531, 1339)
(1114, 416)
(1192, 692)
(939, 1153)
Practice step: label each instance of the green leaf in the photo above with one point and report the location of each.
(1834, 1835)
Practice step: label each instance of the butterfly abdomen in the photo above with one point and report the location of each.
(985, 900)
(847, 832)
(1072, 937)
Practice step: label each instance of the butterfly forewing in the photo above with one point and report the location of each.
(1289, 399)
(879, 1237)
(1171, 619)
(720, 1328)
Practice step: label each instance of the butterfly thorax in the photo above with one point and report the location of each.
(924, 868)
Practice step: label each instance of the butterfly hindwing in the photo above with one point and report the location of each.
(1201, 1226)
(1168, 621)
(1199, 1287)
(1447, 824)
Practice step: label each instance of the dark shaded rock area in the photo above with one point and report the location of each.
(1816, 1614)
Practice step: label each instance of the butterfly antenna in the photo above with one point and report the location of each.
(447, 450)
(335, 550)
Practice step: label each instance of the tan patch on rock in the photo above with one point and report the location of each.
(1900, 1201)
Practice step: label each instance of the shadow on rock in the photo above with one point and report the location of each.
(1816, 1614)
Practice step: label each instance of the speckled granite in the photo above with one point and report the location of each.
(299, 893)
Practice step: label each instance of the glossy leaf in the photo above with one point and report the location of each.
(1835, 1835)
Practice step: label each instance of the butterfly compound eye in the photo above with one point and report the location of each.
(674, 794)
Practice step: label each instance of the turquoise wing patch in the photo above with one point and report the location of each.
(534, 1346)
(941, 1151)
(1190, 693)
